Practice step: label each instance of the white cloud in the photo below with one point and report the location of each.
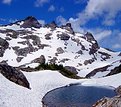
(41, 22)
(108, 9)
(101, 34)
(12, 20)
(76, 25)
(51, 8)
(7, 1)
(40, 3)
(116, 46)
(61, 20)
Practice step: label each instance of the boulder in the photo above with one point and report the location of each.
(14, 75)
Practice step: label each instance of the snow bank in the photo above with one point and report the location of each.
(12, 95)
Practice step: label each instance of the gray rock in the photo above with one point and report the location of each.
(63, 36)
(12, 33)
(14, 75)
(40, 60)
(60, 50)
(118, 90)
(116, 70)
(52, 25)
(24, 51)
(3, 43)
(101, 69)
(64, 60)
(104, 55)
(3, 46)
(109, 102)
(47, 36)
(53, 60)
(68, 27)
(119, 54)
(80, 52)
(89, 37)
(71, 69)
(36, 39)
(86, 62)
(19, 59)
(31, 22)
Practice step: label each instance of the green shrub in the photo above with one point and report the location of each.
(60, 68)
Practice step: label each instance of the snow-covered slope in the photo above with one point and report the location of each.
(24, 41)
(41, 82)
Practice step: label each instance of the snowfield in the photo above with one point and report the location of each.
(12, 95)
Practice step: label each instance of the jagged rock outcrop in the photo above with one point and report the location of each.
(86, 62)
(119, 54)
(116, 70)
(48, 36)
(92, 73)
(104, 55)
(3, 46)
(118, 90)
(63, 36)
(91, 39)
(109, 102)
(31, 22)
(71, 69)
(40, 60)
(35, 39)
(14, 75)
(52, 25)
(68, 27)
(60, 50)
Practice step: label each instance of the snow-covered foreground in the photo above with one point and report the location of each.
(12, 95)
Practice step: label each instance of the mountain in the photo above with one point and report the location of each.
(26, 43)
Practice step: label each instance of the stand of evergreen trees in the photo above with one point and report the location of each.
(60, 68)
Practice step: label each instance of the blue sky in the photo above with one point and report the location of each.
(100, 17)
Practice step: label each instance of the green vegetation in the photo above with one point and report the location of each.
(60, 68)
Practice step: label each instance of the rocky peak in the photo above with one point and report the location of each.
(31, 21)
(51, 25)
(68, 27)
(89, 37)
